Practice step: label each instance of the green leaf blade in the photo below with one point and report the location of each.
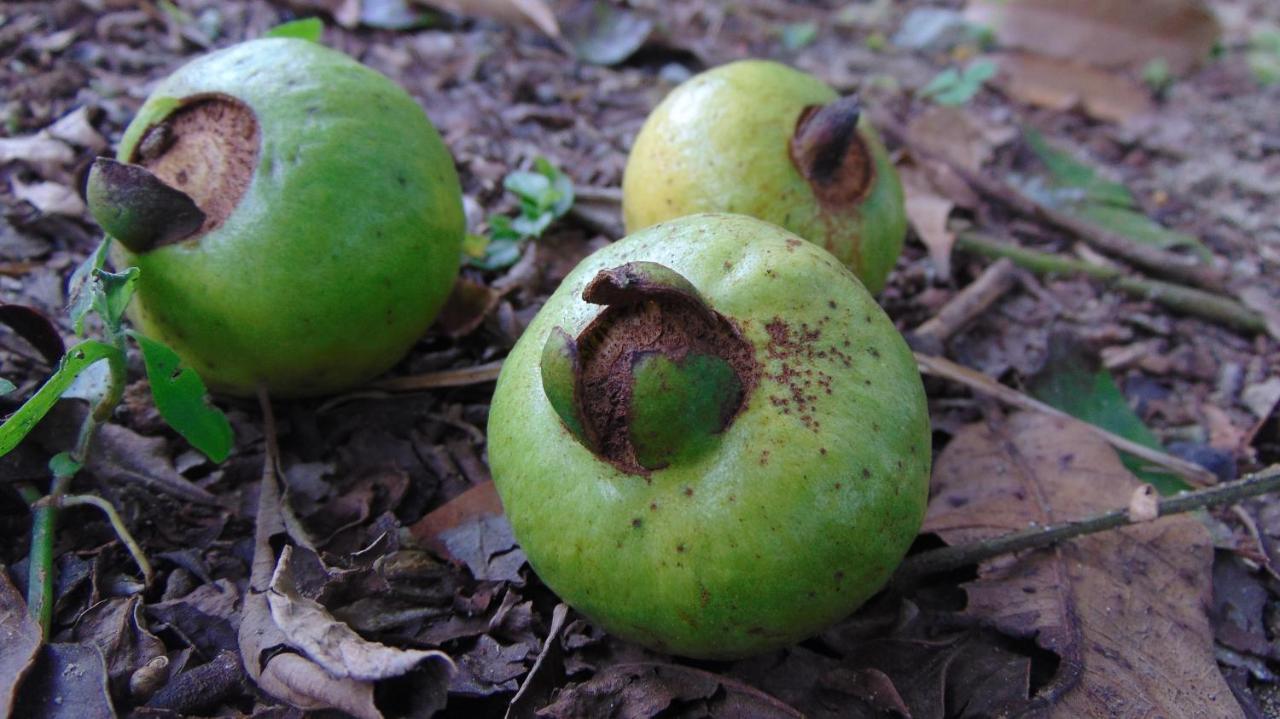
(181, 397)
(307, 28)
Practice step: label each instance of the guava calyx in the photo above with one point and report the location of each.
(201, 157)
(138, 208)
(831, 155)
(655, 377)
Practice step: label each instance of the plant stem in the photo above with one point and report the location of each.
(40, 558)
(122, 531)
(1187, 300)
(934, 561)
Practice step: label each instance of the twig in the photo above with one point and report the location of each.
(948, 558)
(1187, 300)
(122, 531)
(974, 380)
(1151, 259)
(458, 377)
(964, 307)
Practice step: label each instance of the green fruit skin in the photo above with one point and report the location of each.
(794, 520)
(720, 143)
(341, 251)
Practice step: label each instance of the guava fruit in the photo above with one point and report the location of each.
(711, 440)
(758, 138)
(296, 217)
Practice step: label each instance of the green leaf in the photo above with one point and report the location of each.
(1137, 226)
(85, 286)
(181, 397)
(1071, 382)
(473, 245)
(117, 290)
(560, 183)
(309, 28)
(1157, 75)
(6, 386)
(798, 35)
(63, 464)
(498, 255)
(1066, 171)
(77, 360)
(952, 87)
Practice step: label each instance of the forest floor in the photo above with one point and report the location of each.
(1179, 617)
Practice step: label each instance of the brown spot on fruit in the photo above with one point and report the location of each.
(637, 522)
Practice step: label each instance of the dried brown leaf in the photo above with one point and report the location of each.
(50, 198)
(1105, 33)
(20, 637)
(38, 149)
(1062, 84)
(535, 13)
(1124, 610)
(478, 501)
(649, 690)
(117, 628)
(927, 211)
(123, 455)
(68, 681)
(311, 629)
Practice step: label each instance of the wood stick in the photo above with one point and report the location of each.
(945, 559)
(940, 367)
(972, 301)
(1186, 300)
(1151, 259)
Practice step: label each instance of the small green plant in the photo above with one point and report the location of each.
(178, 391)
(1264, 57)
(956, 87)
(1157, 75)
(545, 195)
(798, 35)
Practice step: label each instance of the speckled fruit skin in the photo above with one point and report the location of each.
(342, 249)
(804, 510)
(719, 143)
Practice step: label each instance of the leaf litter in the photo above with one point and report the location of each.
(503, 95)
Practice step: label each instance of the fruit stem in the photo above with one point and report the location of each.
(137, 208)
(828, 151)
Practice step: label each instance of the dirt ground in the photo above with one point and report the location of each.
(364, 468)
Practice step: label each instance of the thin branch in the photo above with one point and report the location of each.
(1186, 300)
(945, 559)
(459, 377)
(122, 531)
(1150, 259)
(940, 367)
(970, 302)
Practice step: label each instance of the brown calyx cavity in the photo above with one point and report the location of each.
(207, 149)
(651, 310)
(831, 154)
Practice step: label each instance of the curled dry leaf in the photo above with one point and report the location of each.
(311, 629)
(50, 198)
(927, 211)
(524, 12)
(1123, 610)
(68, 681)
(277, 623)
(1105, 33)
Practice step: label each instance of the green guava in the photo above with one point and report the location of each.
(761, 139)
(711, 440)
(296, 217)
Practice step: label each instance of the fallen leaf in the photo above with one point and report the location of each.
(311, 629)
(50, 198)
(488, 548)
(602, 34)
(20, 637)
(535, 13)
(36, 329)
(1261, 398)
(1258, 299)
(38, 149)
(546, 674)
(927, 211)
(957, 135)
(479, 501)
(1144, 504)
(1062, 85)
(74, 128)
(1123, 610)
(489, 668)
(270, 651)
(1104, 33)
(467, 306)
(649, 690)
(68, 681)
(117, 628)
(122, 455)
